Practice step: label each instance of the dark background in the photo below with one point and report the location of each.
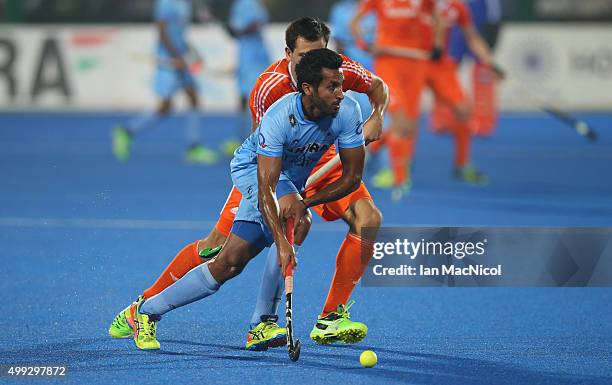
(119, 11)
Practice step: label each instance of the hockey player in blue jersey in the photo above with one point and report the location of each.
(173, 55)
(247, 21)
(273, 164)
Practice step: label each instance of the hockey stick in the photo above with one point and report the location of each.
(293, 346)
(195, 66)
(323, 170)
(581, 127)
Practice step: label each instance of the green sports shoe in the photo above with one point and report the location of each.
(470, 174)
(201, 154)
(337, 327)
(143, 326)
(267, 334)
(122, 142)
(383, 179)
(120, 327)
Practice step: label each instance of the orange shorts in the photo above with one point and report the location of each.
(443, 79)
(406, 79)
(332, 211)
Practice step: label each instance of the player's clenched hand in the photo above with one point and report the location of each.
(286, 255)
(297, 210)
(436, 53)
(500, 74)
(372, 128)
(180, 64)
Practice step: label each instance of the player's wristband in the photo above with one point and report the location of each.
(436, 54)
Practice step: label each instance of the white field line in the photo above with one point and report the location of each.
(132, 224)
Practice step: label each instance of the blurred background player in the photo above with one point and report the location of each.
(487, 17)
(247, 21)
(340, 16)
(440, 75)
(173, 57)
(443, 79)
(398, 26)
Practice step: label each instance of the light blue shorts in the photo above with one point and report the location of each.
(168, 82)
(248, 210)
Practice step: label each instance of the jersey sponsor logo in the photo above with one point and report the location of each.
(310, 147)
(262, 141)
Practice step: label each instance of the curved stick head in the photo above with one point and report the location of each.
(294, 352)
(592, 136)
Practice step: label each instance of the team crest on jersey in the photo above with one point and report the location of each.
(262, 141)
(292, 120)
(359, 129)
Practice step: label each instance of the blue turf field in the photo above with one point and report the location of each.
(81, 236)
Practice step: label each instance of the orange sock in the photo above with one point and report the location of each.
(441, 118)
(461, 130)
(352, 259)
(484, 85)
(400, 151)
(184, 261)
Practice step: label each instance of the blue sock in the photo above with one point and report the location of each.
(193, 126)
(271, 288)
(198, 283)
(142, 121)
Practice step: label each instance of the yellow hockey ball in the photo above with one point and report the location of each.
(368, 359)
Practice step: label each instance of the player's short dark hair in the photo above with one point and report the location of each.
(309, 28)
(309, 68)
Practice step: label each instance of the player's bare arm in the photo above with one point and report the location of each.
(480, 48)
(268, 173)
(379, 99)
(357, 31)
(164, 38)
(477, 44)
(352, 169)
